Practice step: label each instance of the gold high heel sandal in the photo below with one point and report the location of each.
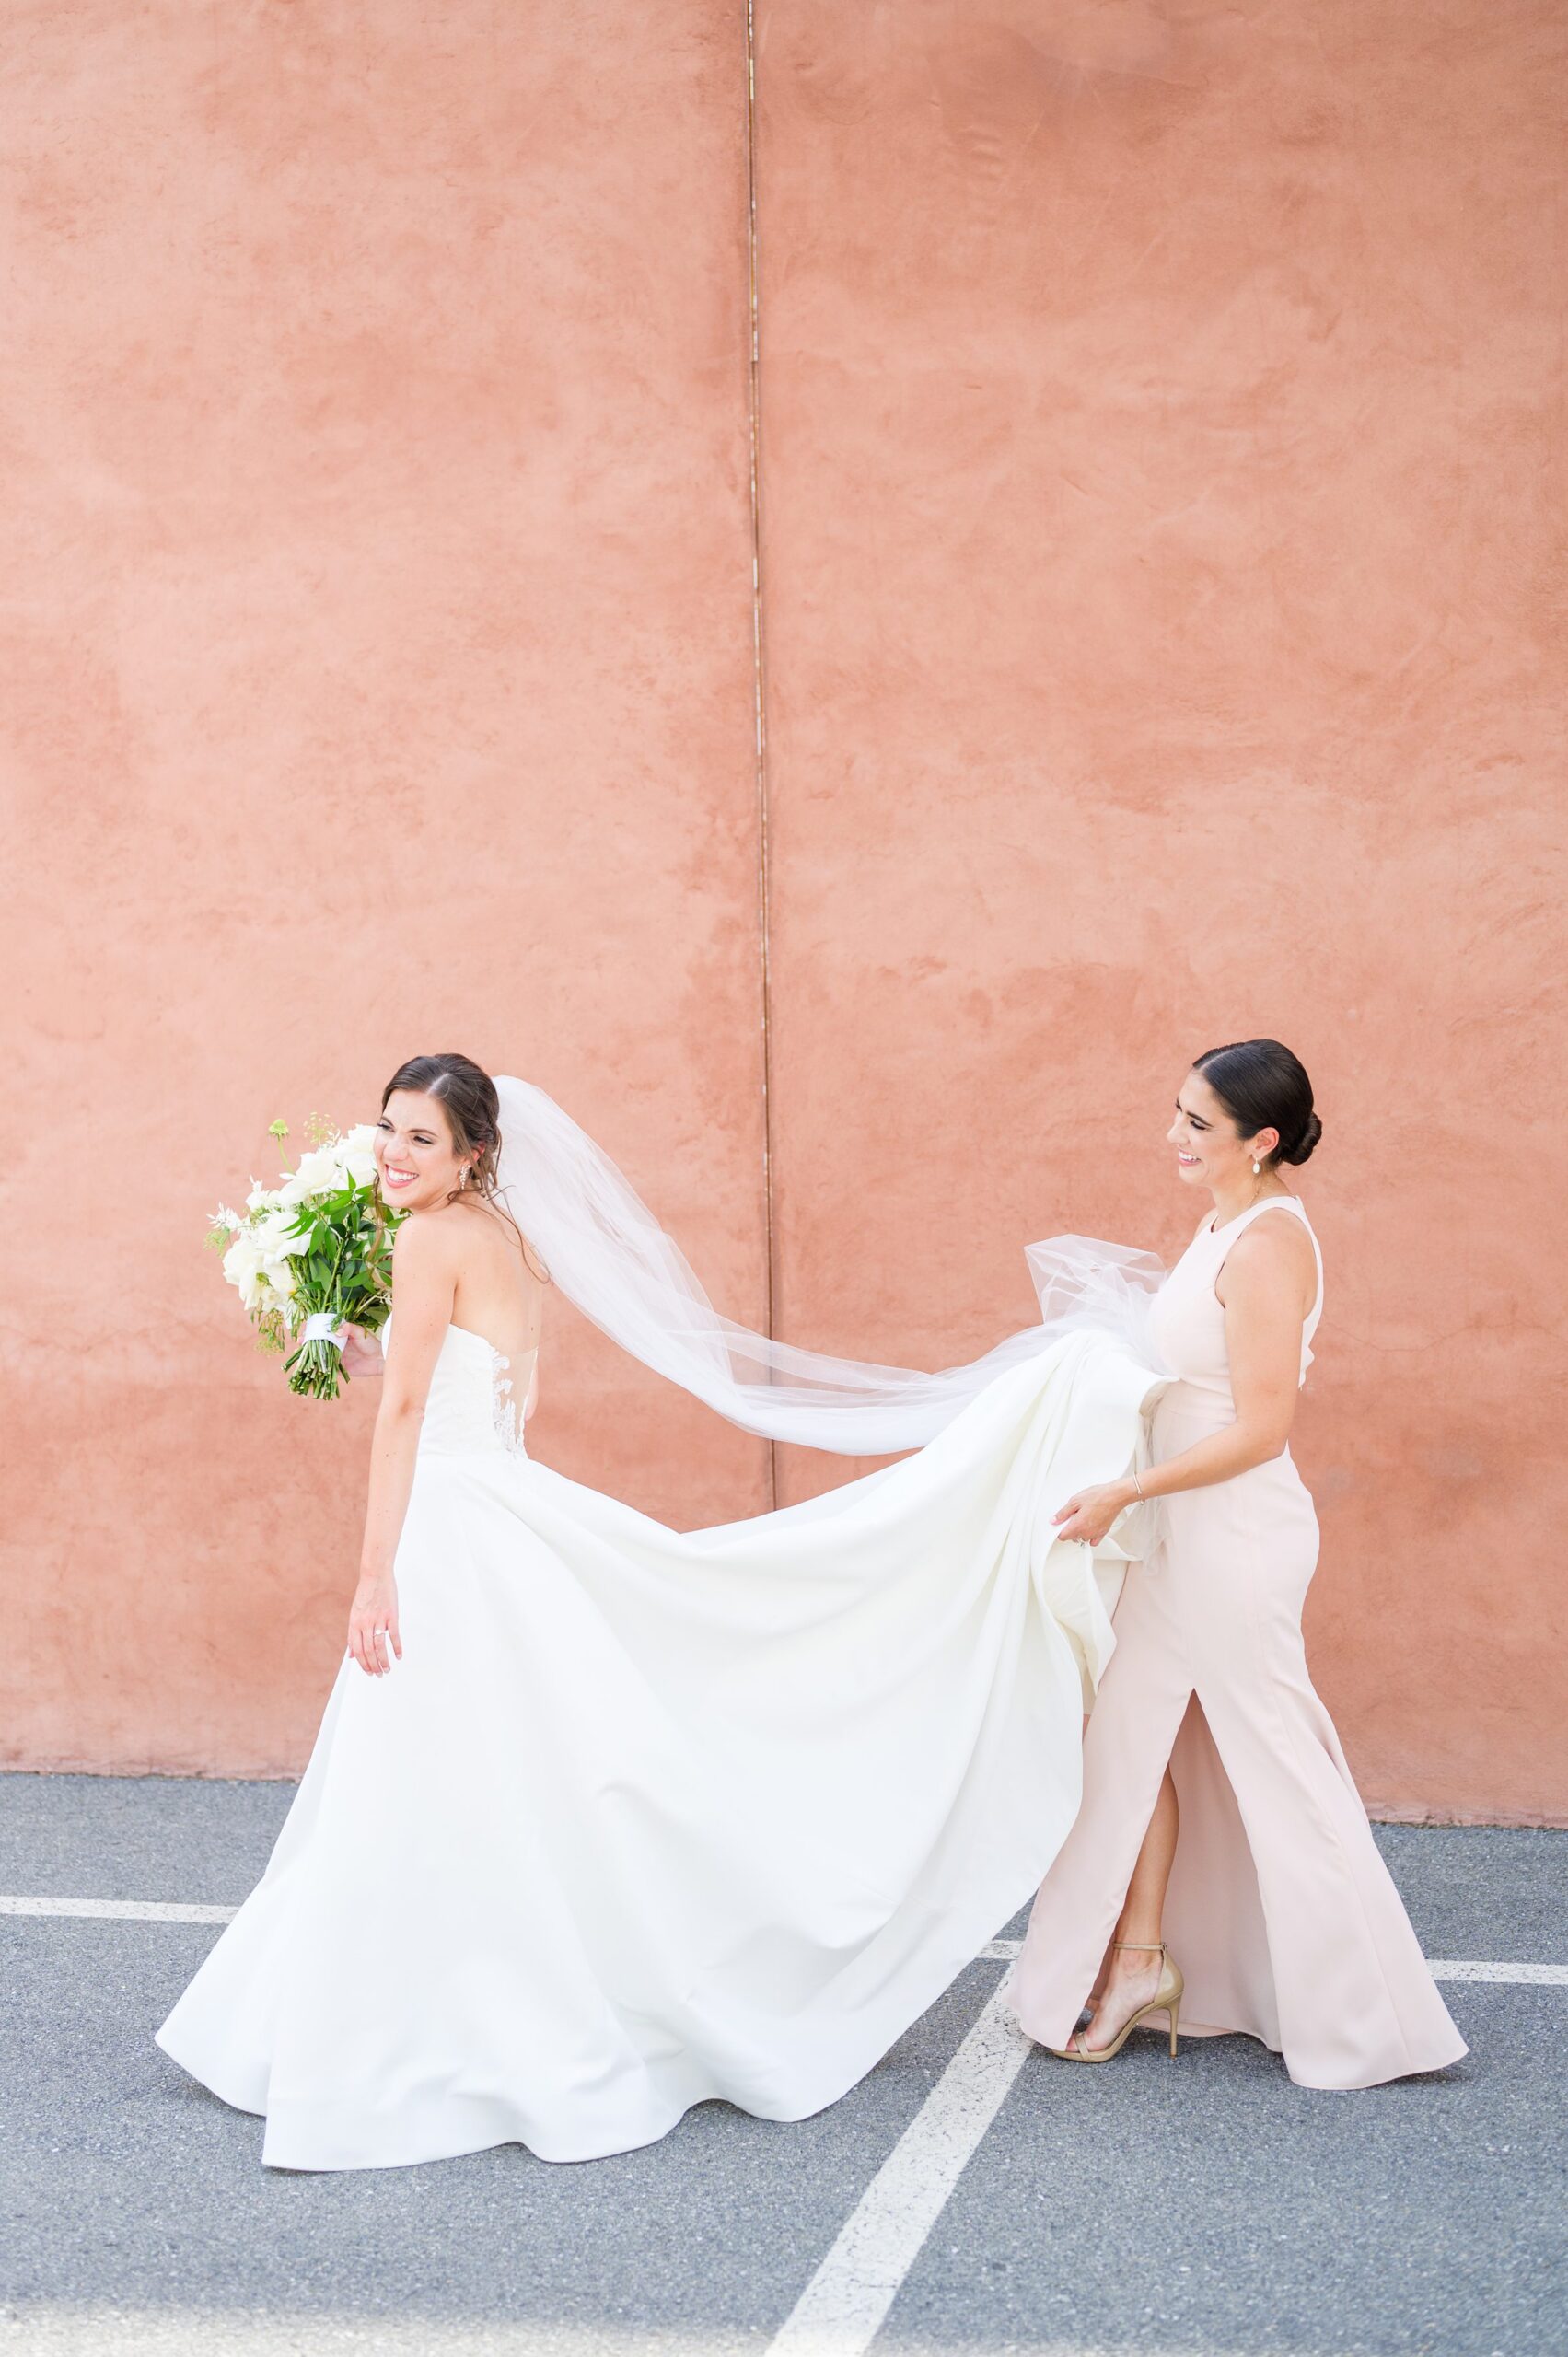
(1167, 1999)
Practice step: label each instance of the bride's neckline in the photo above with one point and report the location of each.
(453, 1327)
(483, 1341)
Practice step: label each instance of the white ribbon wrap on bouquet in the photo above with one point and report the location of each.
(322, 1326)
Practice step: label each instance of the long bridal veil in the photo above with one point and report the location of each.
(608, 1255)
(644, 1817)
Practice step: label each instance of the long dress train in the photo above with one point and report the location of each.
(1281, 1912)
(644, 1818)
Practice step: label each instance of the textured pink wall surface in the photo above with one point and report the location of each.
(378, 676)
(1156, 414)
(1158, 411)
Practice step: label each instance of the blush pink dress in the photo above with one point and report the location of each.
(1281, 1912)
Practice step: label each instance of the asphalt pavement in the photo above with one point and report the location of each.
(1205, 2208)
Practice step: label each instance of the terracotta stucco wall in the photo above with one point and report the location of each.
(377, 677)
(1159, 408)
(1157, 489)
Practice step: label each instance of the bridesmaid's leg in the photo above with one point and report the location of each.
(1133, 1730)
(1139, 1918)
(1131, 1975)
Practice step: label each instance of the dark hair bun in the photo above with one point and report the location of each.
(1263, 1086)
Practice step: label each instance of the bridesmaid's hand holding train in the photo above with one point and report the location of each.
(1090, 1514)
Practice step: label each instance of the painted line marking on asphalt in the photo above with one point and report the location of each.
(1504, 1973)
(50, 2330)
(843, 2307)
(1517, 1976)
(121, 1910)
(845, 2304)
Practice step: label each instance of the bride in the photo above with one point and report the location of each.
(605, 1820)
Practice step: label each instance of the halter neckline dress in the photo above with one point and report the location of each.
(1281, 1912)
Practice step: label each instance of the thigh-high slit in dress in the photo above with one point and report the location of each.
(1281, 1912)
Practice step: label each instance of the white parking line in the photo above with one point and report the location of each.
(121, 1910)
(843, 2306)
(1518, 1975)
(841, 2309)
(46, 2329)
(1505, 1972)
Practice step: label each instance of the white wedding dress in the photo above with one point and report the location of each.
(643, 1819)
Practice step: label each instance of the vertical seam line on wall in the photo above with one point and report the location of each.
(754, 407)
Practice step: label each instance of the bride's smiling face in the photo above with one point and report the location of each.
(416, 1156)
(1210, 1150)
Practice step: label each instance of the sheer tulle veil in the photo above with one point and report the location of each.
(608, 1255)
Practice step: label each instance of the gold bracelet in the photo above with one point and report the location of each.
(1139, 1487)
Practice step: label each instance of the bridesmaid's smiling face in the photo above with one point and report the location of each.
(416, 1156)
(1210, 1150)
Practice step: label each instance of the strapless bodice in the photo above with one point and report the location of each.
(477, 1398)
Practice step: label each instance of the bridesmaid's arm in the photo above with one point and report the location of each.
(1266, 1288)
(425, 1279)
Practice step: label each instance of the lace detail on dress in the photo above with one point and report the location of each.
(503, 1407)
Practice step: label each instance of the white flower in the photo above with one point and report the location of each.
(280, 1278)
(243, 1266)
(262, 1199)
(224, 1217)
(274, 1241)
(355, 1154)
(320, 1173)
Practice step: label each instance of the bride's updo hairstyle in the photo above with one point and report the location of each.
(1263, 1086)
(469, 1098)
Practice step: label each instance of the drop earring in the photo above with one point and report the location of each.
(1257, 1167)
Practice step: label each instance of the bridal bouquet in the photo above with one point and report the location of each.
(311, 1253)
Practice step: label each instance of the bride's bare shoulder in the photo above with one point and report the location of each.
(428, 1260)
(494, 1240)
(423, 1239)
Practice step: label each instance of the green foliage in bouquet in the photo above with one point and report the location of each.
(318, 1246)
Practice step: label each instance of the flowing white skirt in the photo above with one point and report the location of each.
(643, 1819)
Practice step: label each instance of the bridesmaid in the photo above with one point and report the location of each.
(1274, 1896)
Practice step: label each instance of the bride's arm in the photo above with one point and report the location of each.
(424, 1285)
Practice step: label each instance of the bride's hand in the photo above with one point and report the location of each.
(1090, 1514)
(372, 1627)
(360, 1353)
